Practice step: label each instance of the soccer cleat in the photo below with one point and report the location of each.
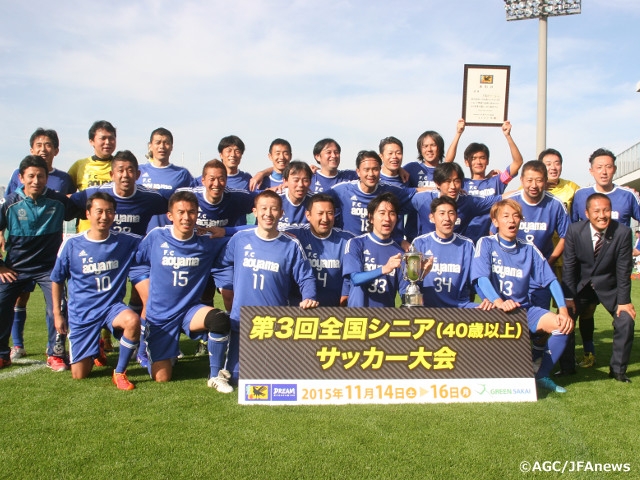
(5, 362)
(225, 374)
(121, 381)
(17, 353)
(548, 384)
(589, 360)
(57, 364)
(101, 359)
(220, 383)
(106, 338)
(180, 354)
(201, 349)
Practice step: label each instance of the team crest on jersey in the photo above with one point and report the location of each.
(367, 252)
(82, 254)
(308, 247)
(164, 245)
(22, 214)
(354, 198)
(429, 253)
(248, 247)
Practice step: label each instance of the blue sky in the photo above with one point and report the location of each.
(303, 70)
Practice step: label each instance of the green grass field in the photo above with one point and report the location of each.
(55, 427)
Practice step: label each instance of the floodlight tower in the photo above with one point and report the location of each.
(541, 9)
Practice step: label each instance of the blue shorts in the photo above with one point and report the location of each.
(163, 338)
(84, 335)
(534, 314)
(138, 273)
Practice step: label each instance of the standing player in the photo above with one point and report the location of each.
(352, 197)
(481, 184)
(32, 218)
(448, 284)
(391, 154)
(266, 264)
(543, 217)
(297, 178)
(135, 204)
(231, 150)
(96, 264)
(180, 263)
(327, 154)
(372, 260)
(625, 203)
(324, 246)
(45, 144)
(506, 269)
(161, 175)
(280, 156)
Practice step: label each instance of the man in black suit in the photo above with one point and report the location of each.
(597, 269)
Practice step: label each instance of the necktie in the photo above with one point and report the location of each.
(598, 246)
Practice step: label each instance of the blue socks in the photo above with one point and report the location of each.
(217, 344)
(127, 347)
(555, 346)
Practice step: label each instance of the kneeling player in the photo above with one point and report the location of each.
(180, 262)
(96, 264)
(506, 269)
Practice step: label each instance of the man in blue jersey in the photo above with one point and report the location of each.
(280, 156)
(449, 178)
(543, 216)
(159, 173)
(372, 260)
(222, 212)
(324, 246)
(180, 263)
(231, 150)
(483, 184)
(352, 197)
(391, 149)
(505, 269)
(96, 264)
(135, 207)
(327, 154)
(448, 284)
(625, 203)
(266, 264)
(297, 178)
(45, 144)
(32, 218)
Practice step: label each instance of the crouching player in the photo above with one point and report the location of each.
(180, 263)
(96, 264)
(506, 269)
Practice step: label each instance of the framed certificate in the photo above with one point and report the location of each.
(485, 95)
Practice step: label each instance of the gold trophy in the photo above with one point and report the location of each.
(413, 271)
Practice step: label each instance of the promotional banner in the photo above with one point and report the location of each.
(383, 355)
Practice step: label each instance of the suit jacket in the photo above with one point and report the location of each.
(609, 274)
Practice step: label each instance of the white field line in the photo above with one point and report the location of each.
(17, 369)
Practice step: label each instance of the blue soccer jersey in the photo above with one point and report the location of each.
(448, 284)
(541, 221)
(56, 180)
(420, 174)
(513, 271)
(265, 270)
(238, 181)
(322, 183)
(133, 213)
(96, 271)
(230, 211)
(396, 180)
(364, 254)
(467, 207)
(293, 215)
(165, 180)
(179, 271)
(351, 206)
(485, 187)
(274, 180)
(625, 204)
(326, 258)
